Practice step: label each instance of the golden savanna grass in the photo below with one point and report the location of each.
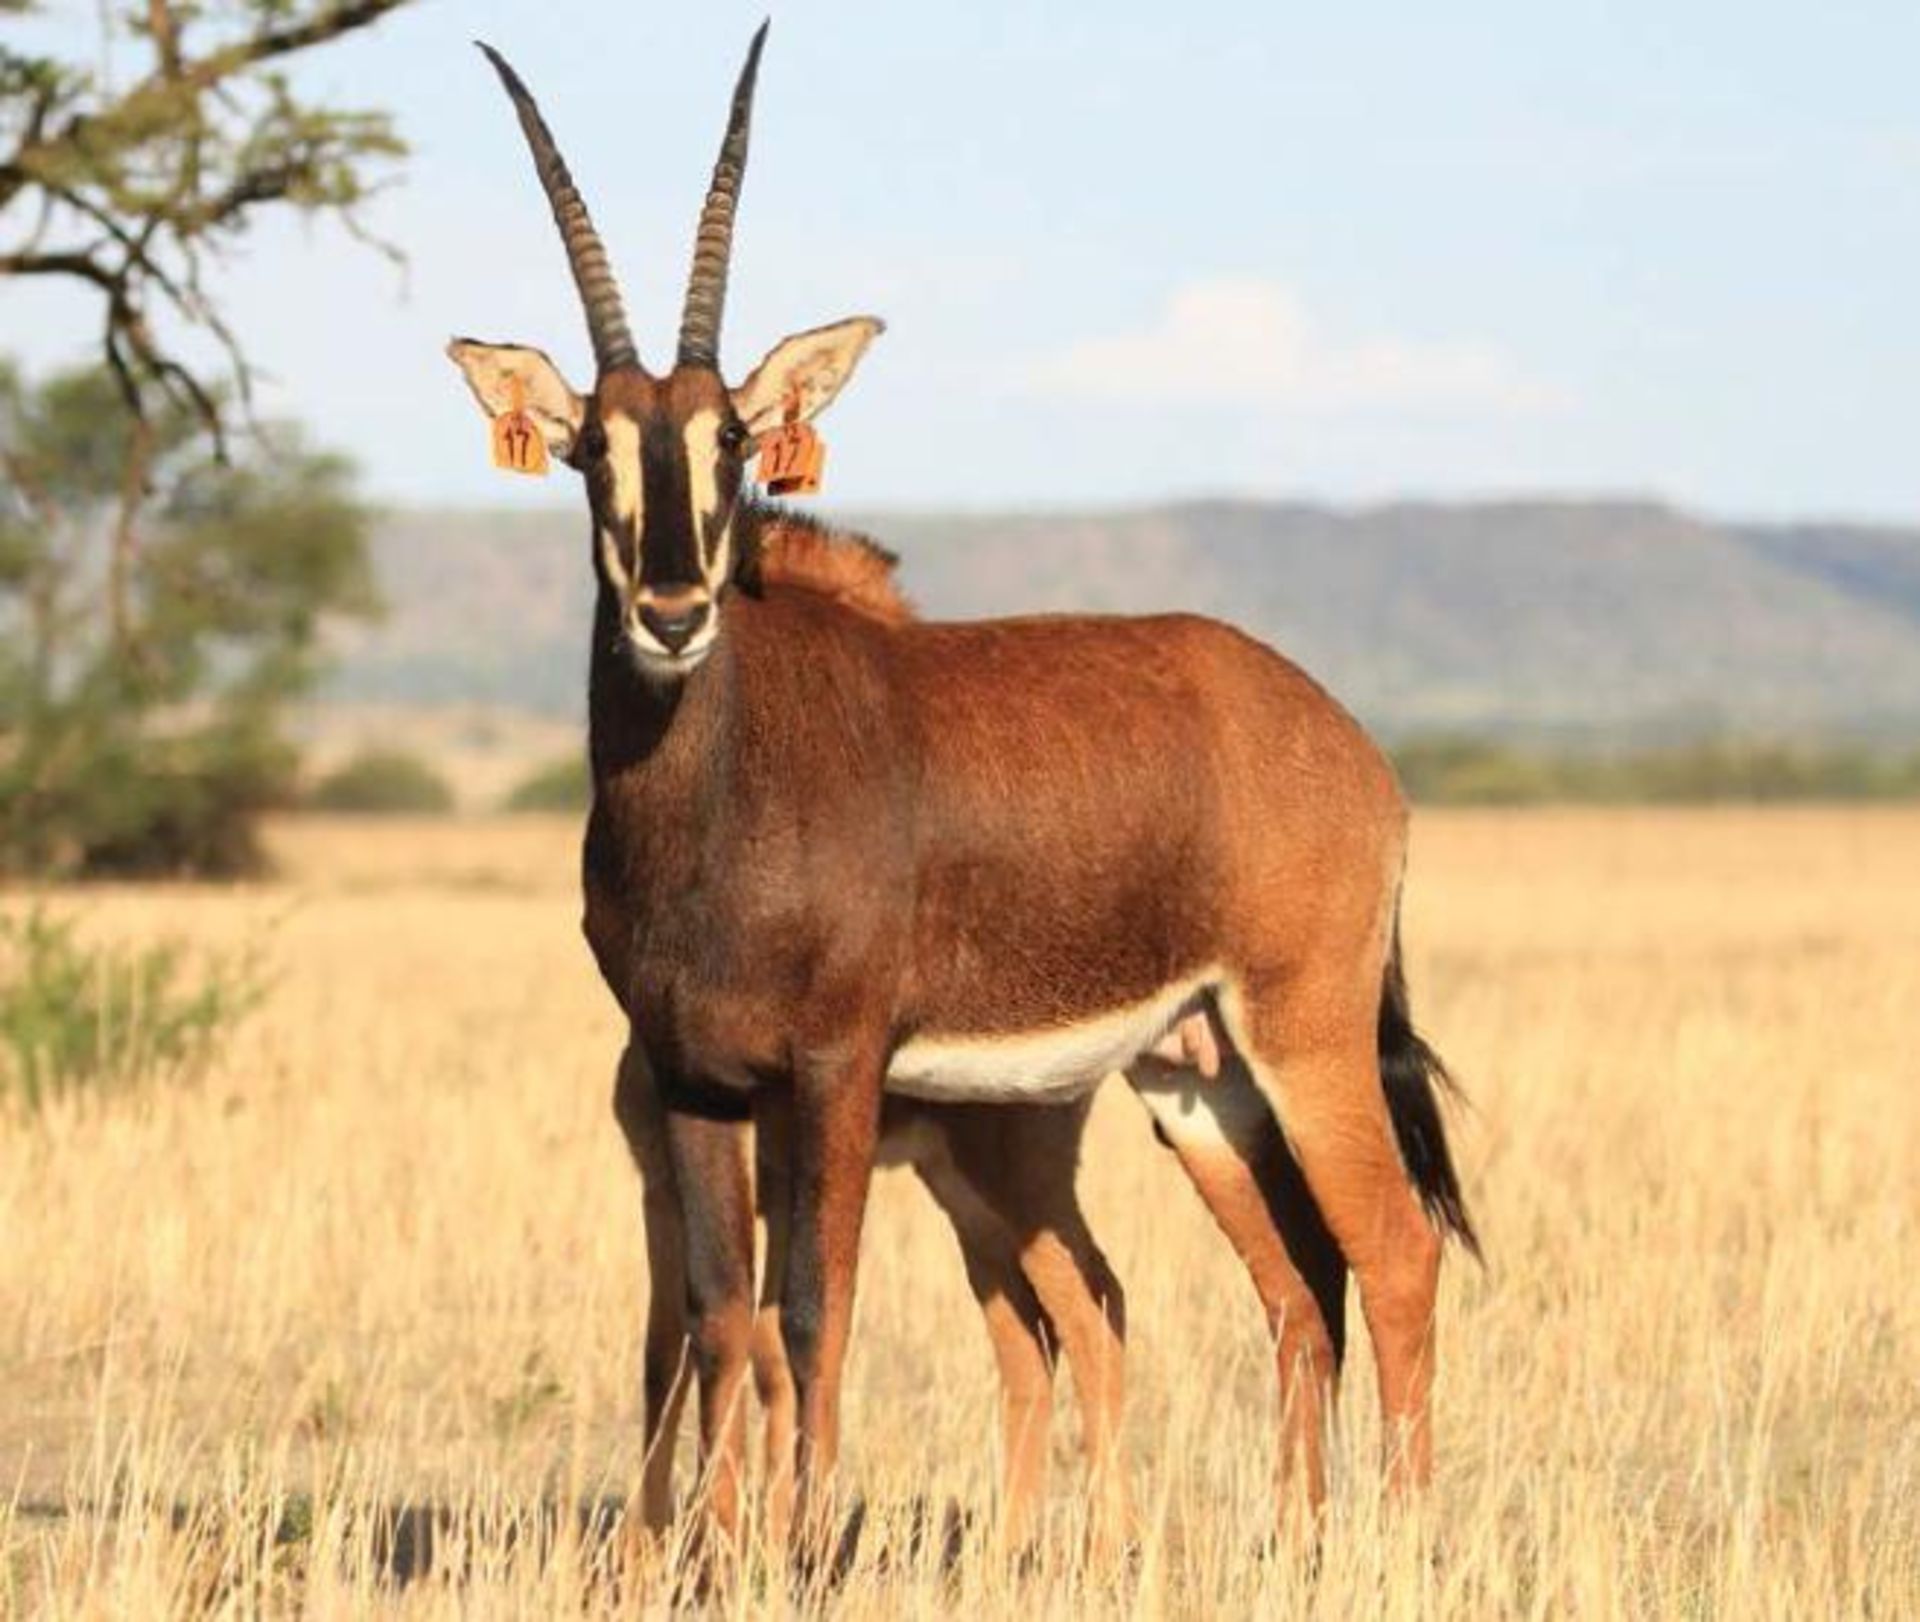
(386, 1254)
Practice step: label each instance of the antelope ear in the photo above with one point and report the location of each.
(503, 375)
(809, 368)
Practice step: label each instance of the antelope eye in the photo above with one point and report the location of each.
(734, 438)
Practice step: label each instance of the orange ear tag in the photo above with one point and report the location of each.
(792, 456)
(518, 444)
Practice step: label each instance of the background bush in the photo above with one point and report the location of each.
(561, 785)
(75, 1016)
(382, 782)
(1482, 771)
(149, 651)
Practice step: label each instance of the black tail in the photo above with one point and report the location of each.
(1414, 1077)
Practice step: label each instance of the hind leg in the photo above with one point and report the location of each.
(1023, 1163)
(666, 1376)
(1314, 1054)
(1230, 1146)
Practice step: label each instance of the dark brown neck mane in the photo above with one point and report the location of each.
(802, 553)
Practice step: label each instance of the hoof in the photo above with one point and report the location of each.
(817, 1567)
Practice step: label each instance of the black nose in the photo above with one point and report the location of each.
(673, 624)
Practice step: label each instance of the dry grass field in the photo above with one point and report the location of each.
(381, 1268)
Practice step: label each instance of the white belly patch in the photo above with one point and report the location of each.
(1051, 1065)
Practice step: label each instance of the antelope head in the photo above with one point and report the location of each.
(664, 456)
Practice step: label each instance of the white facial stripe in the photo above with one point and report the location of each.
(1054, 1064)
(702, 437)
(627, 492)
(610, 556)
(623, 462)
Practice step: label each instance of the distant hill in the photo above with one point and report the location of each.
(1575, 617)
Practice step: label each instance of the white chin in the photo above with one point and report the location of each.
(656, 664)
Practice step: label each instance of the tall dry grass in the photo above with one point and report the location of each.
(386, 1258)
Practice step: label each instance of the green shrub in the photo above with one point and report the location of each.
(1449, 770)
(75, 1016)
(562, 785)
(382, 782)
(1474, 771)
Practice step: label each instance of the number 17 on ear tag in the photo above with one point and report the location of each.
(518, 444)
(791, 459)
(792, 456)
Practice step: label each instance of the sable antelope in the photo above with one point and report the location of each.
(838, 859)
(1004, 1178)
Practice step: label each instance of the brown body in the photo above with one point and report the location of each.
(971, 829)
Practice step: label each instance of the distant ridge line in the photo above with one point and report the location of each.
(1606, 616)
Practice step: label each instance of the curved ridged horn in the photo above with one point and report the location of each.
(713, 242)
(586, 257)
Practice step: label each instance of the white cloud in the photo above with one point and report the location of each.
(1247, 341)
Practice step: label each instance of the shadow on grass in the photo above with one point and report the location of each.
(412, 1542)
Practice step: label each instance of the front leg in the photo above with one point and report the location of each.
(636, 1104)
(836, 1121)
(772, 1378)
(713, 1174)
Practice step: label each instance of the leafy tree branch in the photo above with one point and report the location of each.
(134, 191)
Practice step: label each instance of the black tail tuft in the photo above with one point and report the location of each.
(1414, 1077)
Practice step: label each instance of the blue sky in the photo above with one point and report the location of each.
(1129, 252)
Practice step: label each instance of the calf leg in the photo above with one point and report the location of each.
(1022, 1336)
(1023, 1163)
